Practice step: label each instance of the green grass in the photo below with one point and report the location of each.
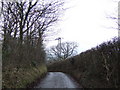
(21, 78)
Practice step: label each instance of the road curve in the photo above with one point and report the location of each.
(57, 80)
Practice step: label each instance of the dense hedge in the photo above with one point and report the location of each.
(97, 67)
(22, 63)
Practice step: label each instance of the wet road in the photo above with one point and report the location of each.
(57, 80)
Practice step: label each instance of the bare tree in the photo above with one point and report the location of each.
(115, 16)
(23, 24)
(63, 51)
(28, 19)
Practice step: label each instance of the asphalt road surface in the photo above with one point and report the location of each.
(57, 80)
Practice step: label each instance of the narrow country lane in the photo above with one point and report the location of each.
(57, 80)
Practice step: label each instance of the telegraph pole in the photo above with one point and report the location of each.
(59, 43)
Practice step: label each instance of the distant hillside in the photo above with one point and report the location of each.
(96, 68)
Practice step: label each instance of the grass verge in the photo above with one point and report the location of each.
(14, 78)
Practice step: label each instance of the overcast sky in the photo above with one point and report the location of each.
(86, 23)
